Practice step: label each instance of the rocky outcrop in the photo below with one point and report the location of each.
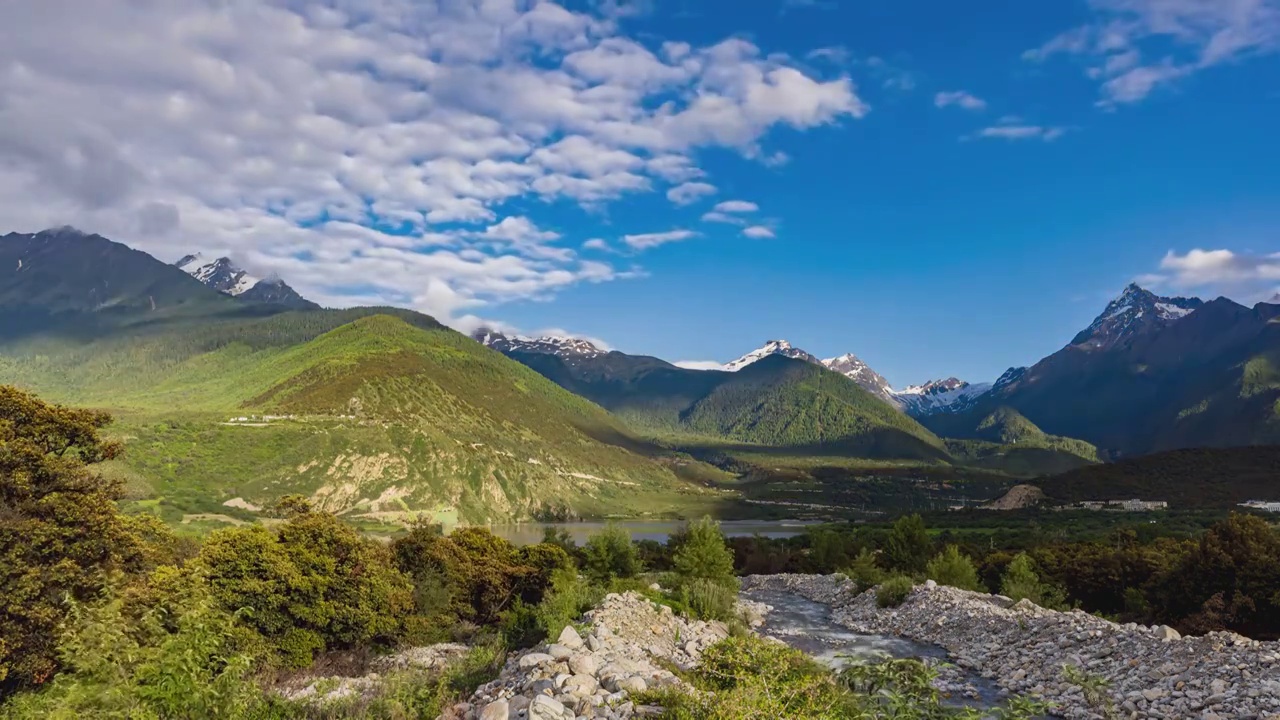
(1138, 671)
(594, 673)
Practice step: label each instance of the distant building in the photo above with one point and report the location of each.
(1263, 505)
(1134, 505)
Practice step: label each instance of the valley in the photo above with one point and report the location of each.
(228, 399)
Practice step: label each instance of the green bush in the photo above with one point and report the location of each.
(609, 554)
(703, 555)
(313, 585)
(566, 600)
(708, 600)
(1021, 582)
(951, 567)
(894, 591)
(863, 571)
(181, 666)
(481, 573)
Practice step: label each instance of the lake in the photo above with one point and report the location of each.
(528, 533)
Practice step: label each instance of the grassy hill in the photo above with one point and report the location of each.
(1199, 478)
(380, 415)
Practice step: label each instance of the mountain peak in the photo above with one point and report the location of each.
(771, 347)
(1134, 310)
(223, 275)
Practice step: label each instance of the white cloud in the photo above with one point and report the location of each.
(648, 240)
(699, 364)
(719, 217)
(758, 232)
(595, 244)
(1178, 38)
(961, 99)
(689, 193)
(372, 150)
(1222, 271)
(1022, 132)
(736, 206)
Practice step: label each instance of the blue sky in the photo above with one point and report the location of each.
(940, 188)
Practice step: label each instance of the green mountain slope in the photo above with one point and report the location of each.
(376, 414)
(777, 402)
(1004, 439)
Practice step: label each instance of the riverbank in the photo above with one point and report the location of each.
(1137, 671)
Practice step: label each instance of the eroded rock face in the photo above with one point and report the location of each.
(1150, 672)
(593, 674)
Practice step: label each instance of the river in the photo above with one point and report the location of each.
(528, 533)
(807, 626)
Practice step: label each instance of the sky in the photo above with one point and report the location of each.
(939, 188)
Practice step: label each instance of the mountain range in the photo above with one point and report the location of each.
(230, 396)
(1150, 373)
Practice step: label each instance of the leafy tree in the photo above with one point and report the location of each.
(951, 567)
(907, 549)
(59, 529)
(609, 554)
(705, 556)
(1228, 580)
(1020, 582)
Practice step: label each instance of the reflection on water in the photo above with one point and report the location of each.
(659, 530)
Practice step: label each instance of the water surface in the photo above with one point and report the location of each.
(660, 530)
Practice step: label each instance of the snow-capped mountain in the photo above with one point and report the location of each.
(226, 277)
(558, 345)
(937, 396)
(848, 365)
(773, 347)
(221, 274)
(1135, 310)
(1008, 377)
(851, 367)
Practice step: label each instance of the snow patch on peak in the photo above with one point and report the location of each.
(772, 347)
(938, 396)
(563, 346)
(221, 274)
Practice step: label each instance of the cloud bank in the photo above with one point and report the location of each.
(370, 151)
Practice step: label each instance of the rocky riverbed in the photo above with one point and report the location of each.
(1134, 671)
(593, 674)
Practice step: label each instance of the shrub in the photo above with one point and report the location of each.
(1021, 582)
(704, 556)
(609, 554)
(894, 591)
(864, 572)
(951, 567)
(708, 600)
(315, 584)
(482, 573)
(566, 600)
(907, 549)
(114, 668)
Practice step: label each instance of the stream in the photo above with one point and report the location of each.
(807, 626)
